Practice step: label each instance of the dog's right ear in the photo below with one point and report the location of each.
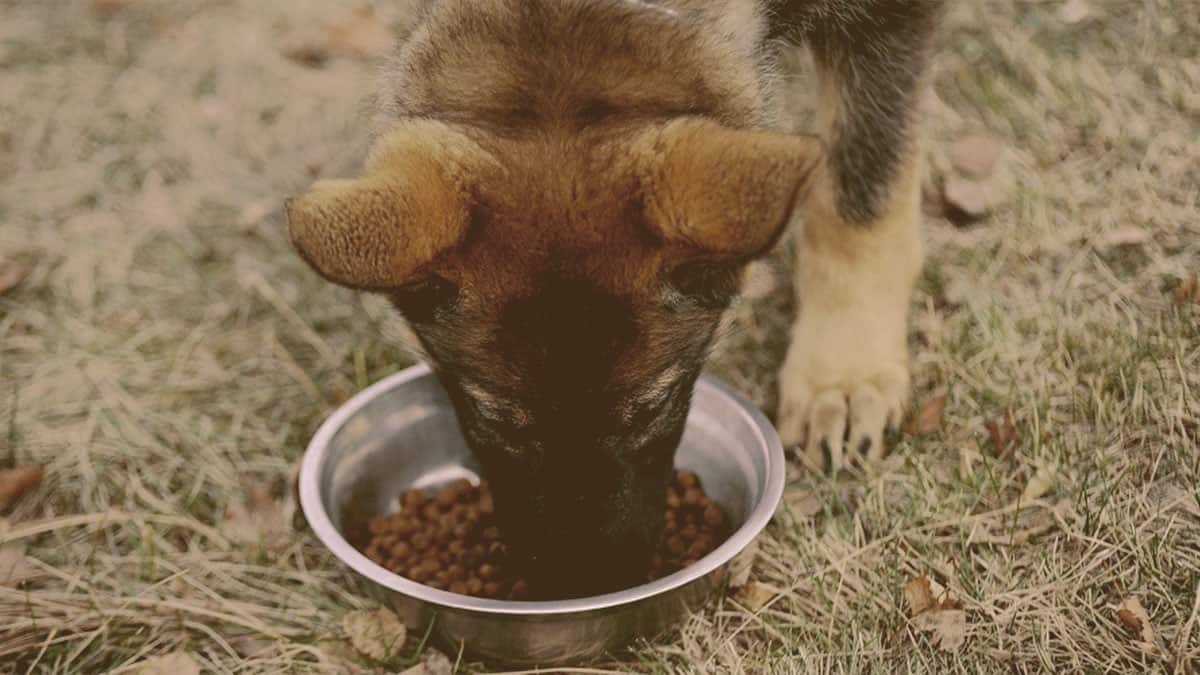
(377, 232)
(722, 192)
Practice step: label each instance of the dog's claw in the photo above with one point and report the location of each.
(818, 418)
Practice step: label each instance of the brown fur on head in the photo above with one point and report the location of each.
(563, 252)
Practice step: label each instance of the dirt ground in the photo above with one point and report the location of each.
(166, 357)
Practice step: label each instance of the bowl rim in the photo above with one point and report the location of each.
(321, 524)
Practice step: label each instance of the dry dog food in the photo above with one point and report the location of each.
(449, 540)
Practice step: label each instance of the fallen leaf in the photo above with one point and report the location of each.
(1188, 290)
(252, 213)
(12, 273)
(307, 54)
(968, 454)
(339, 655)
(928, 419)
(377, 633)
(934, 610)
(925, 594)
(110, 7)
(967, 201)
(432, 662)
(948, 626)
(976, 155)
(249, 647)
(1040, 483)
(158, 205)
(1126, 235)
(436, 663)
(933, 204)
(16, 482)
(803, 503)
(1003, 431)
(360, 35)
(741, 566)
(175, 663)
(14, 566)
(262, 519)
(1075, 11)
(919, 595)
(755, 595)
(1133, 615)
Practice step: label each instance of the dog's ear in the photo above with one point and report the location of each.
(413, 203)
(720, 191)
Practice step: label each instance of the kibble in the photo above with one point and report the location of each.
(449, 539)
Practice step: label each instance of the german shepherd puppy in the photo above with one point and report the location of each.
(561, 204)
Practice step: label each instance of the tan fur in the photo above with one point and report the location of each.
(378, 231)
(847, 365)
(721, 191)
(614, 140)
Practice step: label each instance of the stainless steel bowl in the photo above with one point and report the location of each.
(401, 432)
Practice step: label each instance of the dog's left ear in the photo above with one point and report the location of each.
(720, 191)
(382, 230)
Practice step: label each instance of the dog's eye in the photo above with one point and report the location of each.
(707, 284)
(421, 301)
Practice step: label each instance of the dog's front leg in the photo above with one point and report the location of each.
(846, 374)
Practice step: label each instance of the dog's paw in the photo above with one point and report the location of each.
(840, 390)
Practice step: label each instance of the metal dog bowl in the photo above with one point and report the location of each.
(401, 432)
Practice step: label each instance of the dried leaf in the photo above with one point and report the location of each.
(110, 7)
(339, 655)
(12, 273)
(14, 566)
(158, 205)
(934, 610)
(378, 633)
(175, 663)
(933, 204)
(262, 519)
(755, 595)
(1003, 431)
(928, 419)
(1126, 235)
(1040, 483)
(360, 35)
(432, 662)
(252, 213)
(436, 663)
(741, 566)
(1133, 616)
(1075, 11)
(803, 503)
(249, 647)
(948, 626)
(919, 595)
(307, 53)
(925, 594)
(976, 155)
(966, 200)
(1188, 290)
(16, 482)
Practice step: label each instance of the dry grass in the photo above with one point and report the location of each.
(168, 351)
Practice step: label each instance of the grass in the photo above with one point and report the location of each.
(168, 353)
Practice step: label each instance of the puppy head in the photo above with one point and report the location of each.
(566, 289)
